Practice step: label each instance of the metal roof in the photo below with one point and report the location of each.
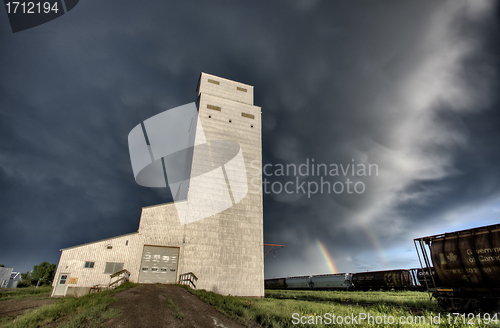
(98, 241)
(454, 234)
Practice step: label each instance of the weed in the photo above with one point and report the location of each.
(178, 314)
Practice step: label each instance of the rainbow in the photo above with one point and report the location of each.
(374, 241)
(326, 256)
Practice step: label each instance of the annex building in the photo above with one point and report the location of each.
(224, 248)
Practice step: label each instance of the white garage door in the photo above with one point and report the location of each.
(159, 265)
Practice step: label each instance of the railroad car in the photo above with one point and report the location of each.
(332, 281)
(279, 283)
(302, 282)
(425, 279)
(467, 265)
(390, 279)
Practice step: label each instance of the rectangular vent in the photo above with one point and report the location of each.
(214, 107)
(213, 81)
(248, 115)
(241, 89)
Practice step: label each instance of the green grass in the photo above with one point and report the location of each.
(26, 293)
(274, 311)
(178, 314)
(397, 298)
(86, 311)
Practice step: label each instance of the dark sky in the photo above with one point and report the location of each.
(409, 86)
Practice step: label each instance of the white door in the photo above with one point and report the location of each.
(62, 284)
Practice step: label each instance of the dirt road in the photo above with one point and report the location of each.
(14, 308)
(148, 306)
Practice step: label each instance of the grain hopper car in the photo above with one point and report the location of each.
(467, 266)
(390, 279)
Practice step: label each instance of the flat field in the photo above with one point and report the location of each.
(289, 308)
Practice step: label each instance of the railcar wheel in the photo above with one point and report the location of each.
(445, 303)
(472, 305)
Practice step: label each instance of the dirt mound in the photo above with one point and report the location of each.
(149, 306)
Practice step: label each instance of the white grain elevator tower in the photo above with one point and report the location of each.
(227, 248)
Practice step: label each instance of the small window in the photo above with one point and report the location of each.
(209, 116)
(248, 115)
(214, 107)
(89, 265)
(241, 89)
(213, 81)
(144, 269)
(112, 267)
(229, 121)
(126, 243)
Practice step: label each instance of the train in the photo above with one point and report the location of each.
(402, 279)
(461, 269)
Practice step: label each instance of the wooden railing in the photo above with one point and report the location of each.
(188, 279)
(122, 276)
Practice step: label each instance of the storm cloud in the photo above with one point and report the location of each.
(409, 86)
